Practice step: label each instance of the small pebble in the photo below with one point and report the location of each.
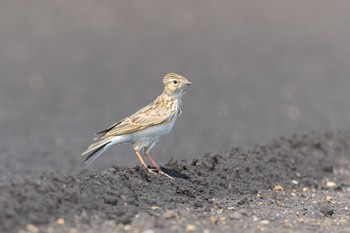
(329, 198)
(305, 189)
(213, 220)
(222, 219)
(49, 229)
(331, 184)
(295, 182)
(169, 214)
(32, 228)
(235, 216)
(127, 227)
(264, 222)
(190, 228)
(60, 221)
(278, 188)
(148, 231)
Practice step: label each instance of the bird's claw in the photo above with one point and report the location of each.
(158, 171)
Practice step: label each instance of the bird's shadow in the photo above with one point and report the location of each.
(175, 174)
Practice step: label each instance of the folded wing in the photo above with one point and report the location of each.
(142, 119)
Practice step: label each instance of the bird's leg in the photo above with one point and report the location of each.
(152, 161)
(156, 165)
(143, 162)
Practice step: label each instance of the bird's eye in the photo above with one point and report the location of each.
(174, 81)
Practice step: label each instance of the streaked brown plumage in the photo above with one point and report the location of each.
(145, 127)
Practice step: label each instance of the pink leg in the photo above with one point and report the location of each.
(141, 159)
(156, 165)
(143, 162)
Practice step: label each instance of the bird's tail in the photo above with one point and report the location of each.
(96, 149)
(94, 155)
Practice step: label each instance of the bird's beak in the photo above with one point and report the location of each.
(188, 83)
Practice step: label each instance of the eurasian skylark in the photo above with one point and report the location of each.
(144, 128)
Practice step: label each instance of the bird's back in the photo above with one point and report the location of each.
(161, 111)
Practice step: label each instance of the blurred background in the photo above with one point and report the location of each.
(259, 70)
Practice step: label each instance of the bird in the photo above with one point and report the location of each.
(144, 128)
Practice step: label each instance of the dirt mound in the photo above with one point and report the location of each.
(291, 184)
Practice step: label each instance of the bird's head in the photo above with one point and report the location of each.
(175, 84)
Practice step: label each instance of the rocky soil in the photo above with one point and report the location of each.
(295, 184)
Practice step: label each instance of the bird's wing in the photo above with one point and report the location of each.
(153, 114)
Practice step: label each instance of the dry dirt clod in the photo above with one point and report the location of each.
(327, 211)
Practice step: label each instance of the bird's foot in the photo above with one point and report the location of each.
(158, 171)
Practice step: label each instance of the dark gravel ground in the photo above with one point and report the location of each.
(297, 184)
